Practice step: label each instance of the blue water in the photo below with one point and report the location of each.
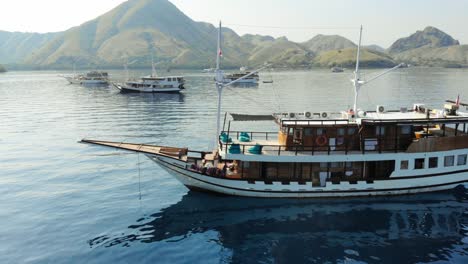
(66, 202)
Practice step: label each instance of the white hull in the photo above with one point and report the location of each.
(72, 80)
(125, 88)
(400, 186)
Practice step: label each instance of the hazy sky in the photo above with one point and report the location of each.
(384, 20)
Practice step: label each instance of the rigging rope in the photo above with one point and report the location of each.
(139, 175)
(275, 93)
(282, 27)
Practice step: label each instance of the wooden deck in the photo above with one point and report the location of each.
(178, 153)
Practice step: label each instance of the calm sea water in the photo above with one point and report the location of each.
(65, 202)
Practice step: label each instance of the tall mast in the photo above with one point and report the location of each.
(357, 82)
(219, 85)
(153, 67)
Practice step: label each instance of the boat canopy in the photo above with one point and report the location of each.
(245, 117)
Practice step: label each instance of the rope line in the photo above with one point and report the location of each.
(282, 27)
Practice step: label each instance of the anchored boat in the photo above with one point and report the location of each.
(325, 154)
(152, 83)
(90, 78)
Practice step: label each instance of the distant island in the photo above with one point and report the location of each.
(2, 68)
(138, 28)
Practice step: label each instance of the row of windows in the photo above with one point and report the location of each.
(433, 162)
(323, 131)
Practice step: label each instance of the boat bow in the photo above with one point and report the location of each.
(171, 152)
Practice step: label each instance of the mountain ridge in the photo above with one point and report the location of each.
(136, 30)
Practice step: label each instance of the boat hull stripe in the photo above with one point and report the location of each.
(163, 163)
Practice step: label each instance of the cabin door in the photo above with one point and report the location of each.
(298, 133)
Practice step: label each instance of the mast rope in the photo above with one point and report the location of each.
(139, 175)
(283, 27)
(275, 93)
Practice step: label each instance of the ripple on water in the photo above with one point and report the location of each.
(69, 202)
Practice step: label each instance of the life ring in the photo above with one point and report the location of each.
(321, 140)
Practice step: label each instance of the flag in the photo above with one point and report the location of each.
(457, 102)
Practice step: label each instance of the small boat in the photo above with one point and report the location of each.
(337, 69)
(90, 78)
(268, 81)
(325, 154)
(251, 79)
(243, 69)
(153, 84)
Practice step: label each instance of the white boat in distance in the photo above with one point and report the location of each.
(325, 154)
(252, 78)
(153, 84)
(90, 78)
(208, 70)
(337, 69)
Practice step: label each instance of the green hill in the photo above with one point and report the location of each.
(430, 37)
(321, 43)
(347, 58)
(15, 46)
(136, 30)
(453, 56)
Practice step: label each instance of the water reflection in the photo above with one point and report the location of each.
(155, 97)
(95, 85)
(410, 229)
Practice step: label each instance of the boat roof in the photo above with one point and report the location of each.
(160, 77)
(371, 117)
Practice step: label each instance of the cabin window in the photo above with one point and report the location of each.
(404, 165)
(449, 161)
(405, 130)
(321, 131)
(461, 160)
(291, 131)
(336, 165)
(419, 164)
(433, 162)
(351, 131)
(340, 131)
(308, 131)
(323, 165)
(379, 130)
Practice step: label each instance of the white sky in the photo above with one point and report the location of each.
(384, 20)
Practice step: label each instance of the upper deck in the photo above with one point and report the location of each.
(385, 132)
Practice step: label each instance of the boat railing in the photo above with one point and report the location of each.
(365, 146)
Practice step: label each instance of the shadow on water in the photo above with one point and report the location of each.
(155, 97)
(410, 229)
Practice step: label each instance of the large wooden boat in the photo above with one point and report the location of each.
(152, 83)
(326, 154)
